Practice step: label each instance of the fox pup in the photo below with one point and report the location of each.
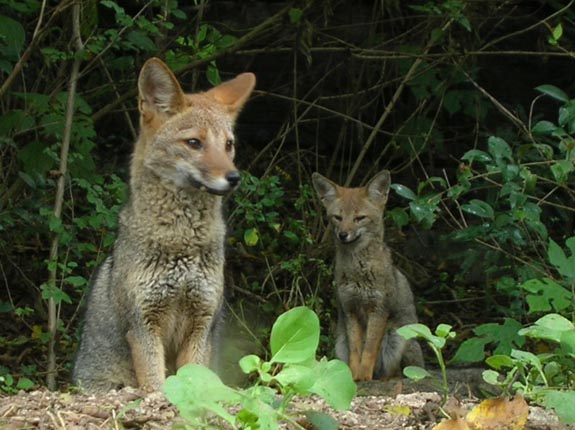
(374, 298)
(154, 303)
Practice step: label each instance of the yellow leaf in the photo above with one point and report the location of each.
(36, 332)
(452, 424)
(499, 414)
(397, 410)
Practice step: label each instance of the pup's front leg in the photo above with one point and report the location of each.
(355, 339)
(376, 324)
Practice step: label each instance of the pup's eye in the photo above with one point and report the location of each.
(229, 145)
(337, 218)
(194, 143)
(359, 218)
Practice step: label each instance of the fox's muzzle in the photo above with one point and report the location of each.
(219, 186)
(347, 238)
(233, 178)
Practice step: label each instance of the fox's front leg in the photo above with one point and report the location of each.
(196, 346)
(355, 339)
(147, 356)
(376, 323)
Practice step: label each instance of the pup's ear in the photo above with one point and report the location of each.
(159, 90)
(234, 94)
(326, 189)
(378, 188)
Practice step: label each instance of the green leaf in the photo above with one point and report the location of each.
(295, 15)
(404, 191)
(251, 237)
(321, 420)
(500, 361)
(561, 170)
(527, 358)
(564, 265)
(423, 212)
(399, 217)
(295, 336)
(250, 363)
(76, 281)
(491, 377)
(544, 128)
(553, 91)
(196, 389)
(476, 154)
(141, 41)
(334, 383)
(555, 322)
(226, 41)
(504, 335)
(298, 377)
(479, 208)
(562, 402)
(444, 330)
(25, 383)
(14, 37)
(55, 293)
(499, 148)
(471, 350)
(415, 373)
(410, 331)
(546, 295)
(567, 341)
(557, 32)
(213, 74)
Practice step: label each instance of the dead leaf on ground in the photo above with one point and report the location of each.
(491, 414)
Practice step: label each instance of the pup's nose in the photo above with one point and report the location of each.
(343, 235)
(233, 178)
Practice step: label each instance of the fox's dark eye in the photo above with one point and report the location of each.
(194, 143)
(229, 145)
(337, 218)
(359, 218)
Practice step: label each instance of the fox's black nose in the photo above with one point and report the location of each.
(343, 235)
(233, 178)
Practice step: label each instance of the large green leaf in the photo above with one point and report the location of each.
(562, 402)
(553, 91)
(546, 295)
(334, 383)
(479, 208)
(499, 148)
(196, 389)
(565, 265)
(404, 191)
(13, 35)
(295, 336)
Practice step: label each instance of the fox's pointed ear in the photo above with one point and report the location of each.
(326, 189)
(378, 187)
(159, 90)
(234, 94)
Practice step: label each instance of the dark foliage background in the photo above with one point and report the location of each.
(468, 103)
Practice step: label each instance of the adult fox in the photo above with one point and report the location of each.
(374, 297)
(155, 300)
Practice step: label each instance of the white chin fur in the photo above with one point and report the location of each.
(219, 184)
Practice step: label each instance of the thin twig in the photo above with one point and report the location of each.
(36, 37)
(58, 201)
(389, 108)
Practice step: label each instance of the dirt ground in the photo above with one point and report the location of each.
(378, 406)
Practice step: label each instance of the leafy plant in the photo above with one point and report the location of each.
(547, 378)
(292, 370)
(436, 342)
